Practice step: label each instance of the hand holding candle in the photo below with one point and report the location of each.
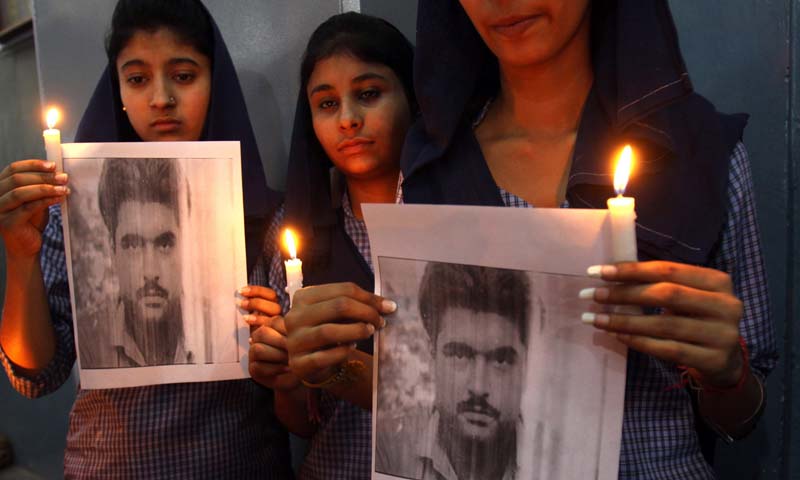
(294, 267)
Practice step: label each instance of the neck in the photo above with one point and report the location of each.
(545, 100)
(157, 341)
(473, 460)
(381, 189)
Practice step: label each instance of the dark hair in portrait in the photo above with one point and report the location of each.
(186, 18)
(150, 180)
(479, 289)
(369, 39)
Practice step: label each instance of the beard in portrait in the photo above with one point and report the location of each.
(139, 201)
(477, 321)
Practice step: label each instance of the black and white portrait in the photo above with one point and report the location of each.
(485, 369)
(477, 375)
(153, 250)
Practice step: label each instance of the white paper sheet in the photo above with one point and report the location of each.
(187, 264)
(570, 406)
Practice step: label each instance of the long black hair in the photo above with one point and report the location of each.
(185, 18)
(367, 38)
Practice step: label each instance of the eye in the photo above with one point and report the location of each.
(503, 357)
(184, 77)
(327, 104)
(369, 95)
(131, 242)
(136, 80)
(165, 242)
(459, 351)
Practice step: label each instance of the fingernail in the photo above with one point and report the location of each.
(370, 328)
(587, 293)
(49, 165)
(243, 303)
(244, 290)
(596, 319)
(250, 340)
(61, 178)
(383, 322)
(249, 319)
(601, 271)
(388, 306)
(61, 189)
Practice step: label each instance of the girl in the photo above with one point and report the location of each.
(524, 103)
(355, 106)
(169, 77)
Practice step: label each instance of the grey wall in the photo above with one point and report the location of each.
(37, 429)
(743, 56)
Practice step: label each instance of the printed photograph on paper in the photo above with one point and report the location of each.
(156, 254)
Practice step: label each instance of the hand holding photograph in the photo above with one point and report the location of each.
(486, 371)
(145, 226)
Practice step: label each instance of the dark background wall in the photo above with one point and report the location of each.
(742, 54)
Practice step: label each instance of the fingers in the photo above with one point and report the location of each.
(678, 353)
(327, 335)
(269, 336)
(22, 166)
(250, 291)
(276, 322)
(666, 327)
(13, 199)
(337, 310)
(322, 293)
(308, 364)
(676, 298)
(660, 271)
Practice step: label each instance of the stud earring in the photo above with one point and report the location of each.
(124, 108)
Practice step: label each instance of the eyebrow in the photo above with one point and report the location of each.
(361, 78)
(173, 61)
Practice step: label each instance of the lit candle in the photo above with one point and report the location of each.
(623, 214)
(52, 139)
(294, 267)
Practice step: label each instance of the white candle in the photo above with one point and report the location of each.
(623, 213)
(52, 140)
(294, 267)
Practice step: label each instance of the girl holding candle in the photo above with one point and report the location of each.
(169, 77)
(526, 104)
(355, 106)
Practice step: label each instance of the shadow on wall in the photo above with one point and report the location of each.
(265, 116)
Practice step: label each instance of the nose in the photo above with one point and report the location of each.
(350, 117)
(480, 381)
(163, 96)
(149, 263)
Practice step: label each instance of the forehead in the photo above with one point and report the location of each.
(158, 47)
(148, 219)
(341, 69)
(483, 331)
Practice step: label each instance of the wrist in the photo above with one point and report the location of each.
(731, 381)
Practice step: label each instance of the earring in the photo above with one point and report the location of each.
(172, 100)
(124, 108)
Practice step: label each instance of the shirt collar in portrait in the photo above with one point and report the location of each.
(128, 352)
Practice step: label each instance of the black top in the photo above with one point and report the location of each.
(227, 119)
(641, 95)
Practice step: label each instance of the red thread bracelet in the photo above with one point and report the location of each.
(688, 380)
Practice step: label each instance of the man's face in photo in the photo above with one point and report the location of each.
(479, 366)
(147, 259)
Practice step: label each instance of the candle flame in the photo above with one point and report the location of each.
(52, 116)
(622, 171)
(290, 241)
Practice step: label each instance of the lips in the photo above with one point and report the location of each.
(515, 25)
(353, 145)
(165, 124)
